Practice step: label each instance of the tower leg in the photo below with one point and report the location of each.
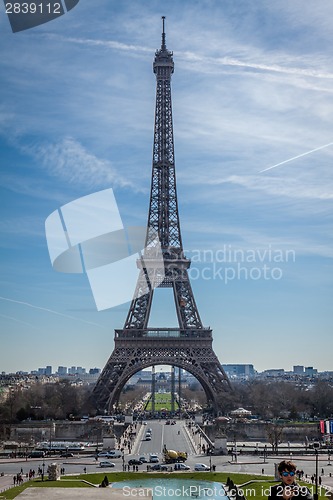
(153, 389)
(172, 389)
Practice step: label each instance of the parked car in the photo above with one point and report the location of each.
(106, 463)
(201, 467)
(155, 467)
(153, 459)
(66, 454)
(134, 461)
(111, 454)
(143, 459)
(181, 466)
(36, 454)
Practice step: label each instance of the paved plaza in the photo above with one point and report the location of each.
(244, 464)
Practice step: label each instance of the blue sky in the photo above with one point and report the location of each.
(252, 87)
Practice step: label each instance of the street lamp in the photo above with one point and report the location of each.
(316, 446)
(235, 449)
(43, 465)
(265, 453)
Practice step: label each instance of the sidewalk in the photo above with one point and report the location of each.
(6, 482)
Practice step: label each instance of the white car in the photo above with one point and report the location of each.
(111, 454)
(201, 467)
(153, 459)
(106, 463)
(181, 466)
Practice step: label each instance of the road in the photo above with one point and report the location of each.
(174, 437)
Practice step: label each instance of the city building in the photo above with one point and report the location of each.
(239, 371)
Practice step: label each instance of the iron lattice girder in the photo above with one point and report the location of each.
(131, 355)
(176, 276)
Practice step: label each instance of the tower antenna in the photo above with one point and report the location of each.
(163, 34)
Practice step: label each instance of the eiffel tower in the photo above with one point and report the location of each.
(190, 345)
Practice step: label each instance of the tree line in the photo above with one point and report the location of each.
(267, 400)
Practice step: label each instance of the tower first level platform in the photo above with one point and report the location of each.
(189, 349)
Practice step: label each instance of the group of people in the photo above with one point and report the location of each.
(19, 477)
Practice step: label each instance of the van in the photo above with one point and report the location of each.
(115, 454)
(201, 467)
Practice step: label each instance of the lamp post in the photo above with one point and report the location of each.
(265, 453)
(235, 448)
(43, 465)
(210, 460)
(315, 496)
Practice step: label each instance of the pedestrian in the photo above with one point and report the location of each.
(288, 487)
(14, 480)
(319, 480)
(85, 469)
(263, 471)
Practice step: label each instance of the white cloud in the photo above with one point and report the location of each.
(69, 161)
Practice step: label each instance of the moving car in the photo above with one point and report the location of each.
(201, 467)
(110, 454)
(143, 459)
(134, 461)
(181, 466)
(155, 467)
(36, 454)
(106, 463)
(153, 459)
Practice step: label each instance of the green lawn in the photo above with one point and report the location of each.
(254, 486)
(162, 402)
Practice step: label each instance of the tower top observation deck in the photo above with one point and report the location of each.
(163, 64)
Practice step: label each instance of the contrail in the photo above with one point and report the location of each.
(50, 311)
(295, 157)
(18, 321)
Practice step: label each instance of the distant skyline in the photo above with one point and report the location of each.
(159, 368)
(252, 108)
